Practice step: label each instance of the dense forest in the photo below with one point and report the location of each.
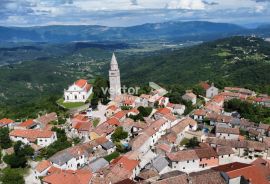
(238, 61)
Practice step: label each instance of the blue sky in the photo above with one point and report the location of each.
(130, 12)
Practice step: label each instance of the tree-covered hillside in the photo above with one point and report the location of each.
(240, 61)
(32, 86)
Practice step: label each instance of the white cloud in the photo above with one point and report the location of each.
(186, 4)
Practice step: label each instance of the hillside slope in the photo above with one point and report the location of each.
(241, 61)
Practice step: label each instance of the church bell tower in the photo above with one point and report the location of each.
(114, 77)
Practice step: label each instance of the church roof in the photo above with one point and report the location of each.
(81, 83)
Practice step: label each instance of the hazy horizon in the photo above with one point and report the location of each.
(125, 13)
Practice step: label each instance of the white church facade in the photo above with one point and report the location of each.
(78, 92)
(114, 77)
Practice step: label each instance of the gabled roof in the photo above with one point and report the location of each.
(69, 177)
(206, 177)
(45, 119)
(250, 172)
(227, 130)
(6, 121)
(224, 150)
(205, 85)
(32, 135)
(180, 126)
(98, 164)
(163, 111)
(43, 165)
(183, 155)
(120, 114)
(81, 83)
(27, 123)
(113, 121)
(206, 152)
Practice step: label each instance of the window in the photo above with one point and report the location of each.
(188, 161)
(76, 97)
(184, 168)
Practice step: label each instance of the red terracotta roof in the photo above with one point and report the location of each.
(81, 83)
(250, 172)
(200, 112)
(112, 107)
(205, 85)
(88, 87)
(120, 114)
(84, 126)
(125, 163)
(69, 177)
(6, 121)
(43, 165)
(27, 123)
(32, 135)
(183, 155)
(113, 121)
(163, 111)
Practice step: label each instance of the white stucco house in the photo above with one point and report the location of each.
(227, 133)
(185, 161)
(42, 138)
(70, 158)
(78, 92)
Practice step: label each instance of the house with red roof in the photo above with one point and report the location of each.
(122, 168)
(81, 126)
(111, 110)
(185, 161)
(189, 96)
(199, 114)
(42, 138)
(42, 168)
(210, 90)
(28, 124)
(237, 172)
(44, 120)
(78, 92)
(8, 123)
(68, 177)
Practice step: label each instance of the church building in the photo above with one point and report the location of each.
(78, 92)
(114, 77)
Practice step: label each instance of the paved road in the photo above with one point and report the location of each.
(30, 177)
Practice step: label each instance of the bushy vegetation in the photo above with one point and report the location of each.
(5, 141)
(61, 144)
(19, 157)
(12, 176)
(143, 112)
(119, 134)
(256, 113)
(112, 156)
(190, 143)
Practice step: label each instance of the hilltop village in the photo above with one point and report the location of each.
(142, 139)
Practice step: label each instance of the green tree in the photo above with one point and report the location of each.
(145, 111)
(119, 134)
(192, 143)
(19, 157)
(5, 141)
(11, 176)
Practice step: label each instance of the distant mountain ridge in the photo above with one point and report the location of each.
(167, 31)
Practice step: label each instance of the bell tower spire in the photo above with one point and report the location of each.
(114, 76)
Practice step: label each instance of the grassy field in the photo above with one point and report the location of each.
(69, 105)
